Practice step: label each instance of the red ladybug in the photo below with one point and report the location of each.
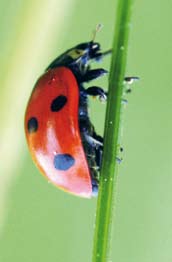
(60, 136)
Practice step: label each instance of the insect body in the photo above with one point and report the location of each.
(62, 140)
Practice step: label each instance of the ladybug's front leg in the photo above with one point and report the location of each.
(92, 74)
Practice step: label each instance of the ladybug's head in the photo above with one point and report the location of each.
(90, 49)
(85, 51)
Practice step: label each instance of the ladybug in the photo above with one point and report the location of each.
(61, 138)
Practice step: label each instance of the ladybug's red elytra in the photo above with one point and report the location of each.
(62, 140)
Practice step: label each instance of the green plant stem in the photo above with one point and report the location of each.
(108, 178)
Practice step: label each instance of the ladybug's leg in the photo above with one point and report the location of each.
(98, 56)
(98, 148)
(99, 151)
(92, 74)
(98, 157)
(97, 91)
(94, 141)
(98, 138)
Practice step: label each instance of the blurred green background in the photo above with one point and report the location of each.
(41, 223)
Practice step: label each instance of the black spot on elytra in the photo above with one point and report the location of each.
(32, 125)
(63, 161)
(58, 103)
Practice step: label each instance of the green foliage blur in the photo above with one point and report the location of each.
(38, 222)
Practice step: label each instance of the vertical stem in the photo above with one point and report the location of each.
(108, 176)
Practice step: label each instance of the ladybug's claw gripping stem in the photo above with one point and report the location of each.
(130, 79)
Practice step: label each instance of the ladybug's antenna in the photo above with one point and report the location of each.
(97, 29)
